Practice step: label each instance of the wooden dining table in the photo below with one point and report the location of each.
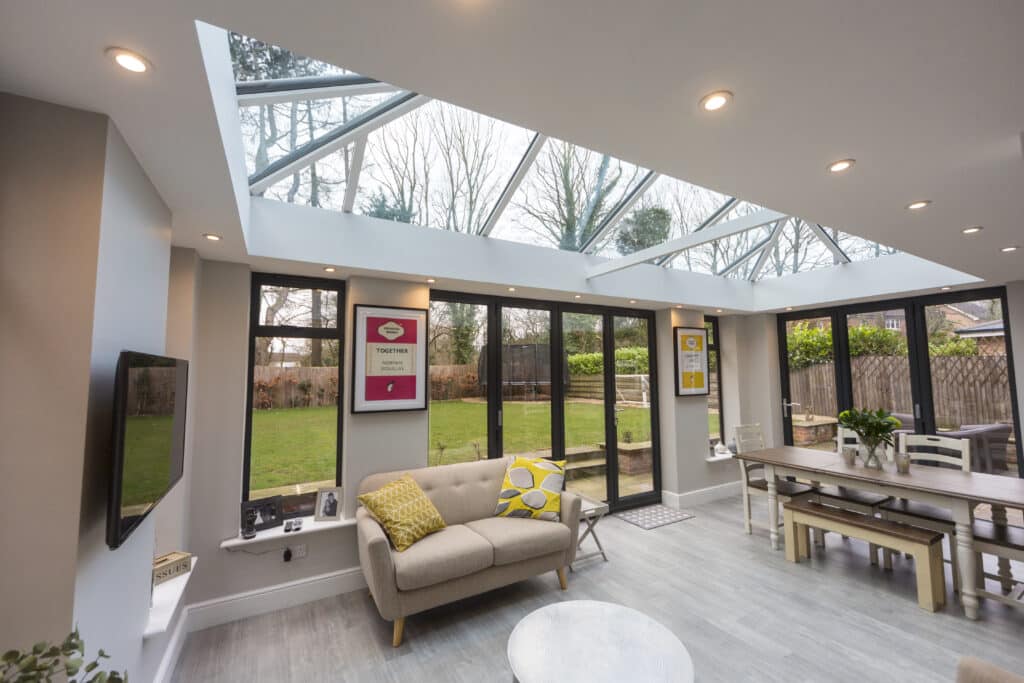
(955, 490)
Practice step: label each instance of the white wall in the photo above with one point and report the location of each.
(755, 351)
(684, 422)
(384, 441)
(51, 184)
(112, 587)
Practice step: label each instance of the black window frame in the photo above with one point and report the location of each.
(257, 329)
(495, 304)
(715, 345)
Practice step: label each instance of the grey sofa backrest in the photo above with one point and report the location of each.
(461, 492)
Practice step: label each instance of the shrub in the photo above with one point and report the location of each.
(868, 340)
(954, 347)
(808, 346)
(630, 360)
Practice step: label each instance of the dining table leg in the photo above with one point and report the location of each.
(773, 506)
(1005, 572)
(966, 558)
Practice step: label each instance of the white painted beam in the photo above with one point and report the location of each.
(694, 239)
(302, 95)
(762, 259)
(514, 182)
(354, 170)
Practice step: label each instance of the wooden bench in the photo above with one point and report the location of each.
(925, 546)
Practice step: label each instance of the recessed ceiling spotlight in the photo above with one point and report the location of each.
(431, 280)
(577, 296)
(841, 165)
(972, 230)
(789, 308)
(718, 310)
(919, 204)
(126, 59)
(511, 289)
(210, 236)
(946, 288)
(1009, 249)
(329, 269)
(716, 100)
(679, 305)
(632, 301)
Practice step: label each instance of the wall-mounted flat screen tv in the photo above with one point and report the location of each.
(148, 438)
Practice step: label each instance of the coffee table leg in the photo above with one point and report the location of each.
(773, 506)
(962, 516)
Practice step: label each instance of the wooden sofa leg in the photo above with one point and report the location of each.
(396, 636)
(563, 581)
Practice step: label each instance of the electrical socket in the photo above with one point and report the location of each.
(298, 551)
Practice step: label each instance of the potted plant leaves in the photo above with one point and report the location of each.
(874, 428)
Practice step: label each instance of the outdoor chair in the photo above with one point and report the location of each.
(990, 442)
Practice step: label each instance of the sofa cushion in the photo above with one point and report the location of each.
(404, 511)
(444, 555)
(516, 538)
(532, 488)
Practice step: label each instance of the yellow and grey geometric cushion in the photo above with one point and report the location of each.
(532, 488)
(404, 511)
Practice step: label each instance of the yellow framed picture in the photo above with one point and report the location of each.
(691, 361)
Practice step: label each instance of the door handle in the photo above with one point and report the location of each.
(787, 408)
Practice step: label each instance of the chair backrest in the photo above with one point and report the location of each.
(846, 437)
(937, 449)
(748, 438)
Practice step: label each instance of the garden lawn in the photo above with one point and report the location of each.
(299, 445)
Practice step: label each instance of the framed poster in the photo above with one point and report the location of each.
(691, 361)
(389, 359)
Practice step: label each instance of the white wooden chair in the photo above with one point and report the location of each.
(930, 449)
(750, 438)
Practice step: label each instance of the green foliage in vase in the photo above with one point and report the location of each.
(874, 427)
(47, 662)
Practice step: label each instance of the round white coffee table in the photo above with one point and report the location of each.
(586, 641)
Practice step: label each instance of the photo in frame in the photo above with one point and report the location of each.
(261, 514)
(389, 359)
(691, 361)
(328, 504)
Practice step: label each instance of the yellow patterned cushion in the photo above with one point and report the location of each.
(532, 488)
(404, 511)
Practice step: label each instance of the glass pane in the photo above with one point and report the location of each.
(714, 402)
(298, 306)
(254, 60)
(273, 131)
(439, 166)
(585, 439)
(880, 363)
(970, 381)
(458, 390)
(565, 196)
(294, 446)
(633, 406)
(812, 382)
(526, 381)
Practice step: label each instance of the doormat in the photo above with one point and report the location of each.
(653, 516)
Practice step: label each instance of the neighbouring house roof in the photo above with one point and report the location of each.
(992, 328)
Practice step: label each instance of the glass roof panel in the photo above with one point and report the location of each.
(565, 196)
(713, 257)
(254, 60)
(670, 208)
(321, 184)
(440, 166)
(272, 131)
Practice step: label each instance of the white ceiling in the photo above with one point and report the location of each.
(926, 94)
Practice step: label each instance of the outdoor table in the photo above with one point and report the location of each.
(951, 489)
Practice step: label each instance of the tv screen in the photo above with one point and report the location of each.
(148, 438)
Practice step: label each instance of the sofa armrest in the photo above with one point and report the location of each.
(377, 565)
(570, 516)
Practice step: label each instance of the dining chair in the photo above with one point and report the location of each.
(750, 438)
(942, 451)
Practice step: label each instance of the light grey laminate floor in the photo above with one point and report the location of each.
(743, 612)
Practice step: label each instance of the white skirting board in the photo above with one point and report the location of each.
(200, 615)
(689, 499)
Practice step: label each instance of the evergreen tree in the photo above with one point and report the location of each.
(643, 228)
(379, 206)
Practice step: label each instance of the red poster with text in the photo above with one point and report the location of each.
(390, 359)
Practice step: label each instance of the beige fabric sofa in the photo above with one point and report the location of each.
(477, 552)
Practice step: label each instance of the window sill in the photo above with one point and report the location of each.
(166, 598)
(277, 533)
(718, 458)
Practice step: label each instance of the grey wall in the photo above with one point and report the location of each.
(757, 375)
(51, 184)
(112, 587)
(219, 365)
(683, 420)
